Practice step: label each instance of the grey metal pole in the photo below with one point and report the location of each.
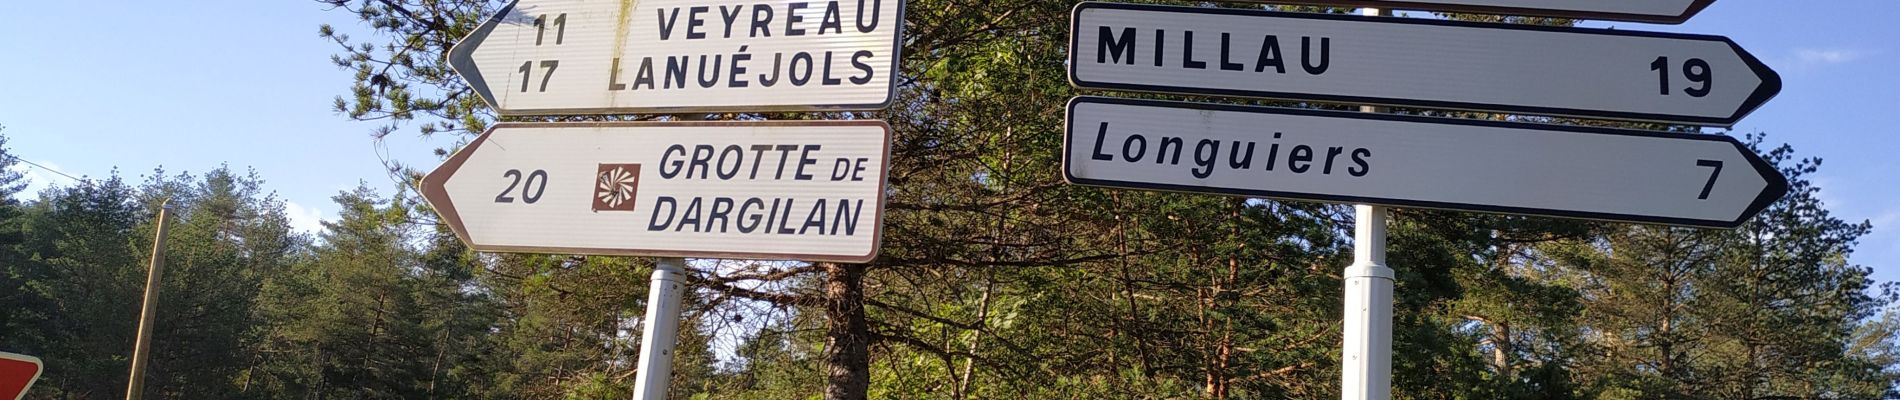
(655, 370)
(141, 350)
(662, 328)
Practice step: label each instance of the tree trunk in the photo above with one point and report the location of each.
(1219, 378)
(982, 321)
(441, 350)
(847, 336)
(1130, 325)
(1501, 349)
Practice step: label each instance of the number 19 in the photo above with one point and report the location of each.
(1695, 69)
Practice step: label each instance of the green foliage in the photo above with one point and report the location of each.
(1771, 309)
(80, 264)
(27, 308)
(998, 280)
(349, 318)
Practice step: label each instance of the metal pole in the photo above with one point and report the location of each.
(655, 370)
(662, 328)
(1366, 362)
(141, 350)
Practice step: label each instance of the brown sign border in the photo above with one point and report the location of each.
(434, 192)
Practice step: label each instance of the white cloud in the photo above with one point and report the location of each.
(304, 219)
(1830, 56)
(1814, 58)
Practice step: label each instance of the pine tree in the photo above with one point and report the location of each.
(1770, 309)
(346, 322)
(27, 307)
(83, 238)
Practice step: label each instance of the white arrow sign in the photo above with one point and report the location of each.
(539, 57)
(1455, 164)
(1656, 11)
(795, 190)
(1590, 73)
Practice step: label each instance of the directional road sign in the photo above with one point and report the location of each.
(794, 190)
(1654, 11)
(17, 373)
(1591, 73)
(539, 57)
(1455, 164)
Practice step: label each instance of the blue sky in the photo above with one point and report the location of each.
(138, 84)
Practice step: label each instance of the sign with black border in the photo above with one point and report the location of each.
(1411, 62)
(1651, 11)
(1409, 161)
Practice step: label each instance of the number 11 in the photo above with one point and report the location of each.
(541, 28)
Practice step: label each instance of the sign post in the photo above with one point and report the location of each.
(1517, 69)
(1366, 353)
(1374, 160)
(1366, 346)
(810, 190)
(805, 190)
(655, 369)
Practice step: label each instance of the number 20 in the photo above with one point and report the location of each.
(525, 196)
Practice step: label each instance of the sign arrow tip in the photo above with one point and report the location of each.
(434, 186)
(462, 56)
(1695, 7)
(1776, 189)
(1769, 87)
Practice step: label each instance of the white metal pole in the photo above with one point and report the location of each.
(1366, 359)
(655, 369)
(662, 327)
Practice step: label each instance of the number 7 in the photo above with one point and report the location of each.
(550, 65)
(1712, 175)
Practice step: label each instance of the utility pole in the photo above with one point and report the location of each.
(142, 349)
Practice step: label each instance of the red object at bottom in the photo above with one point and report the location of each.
(17, 373)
